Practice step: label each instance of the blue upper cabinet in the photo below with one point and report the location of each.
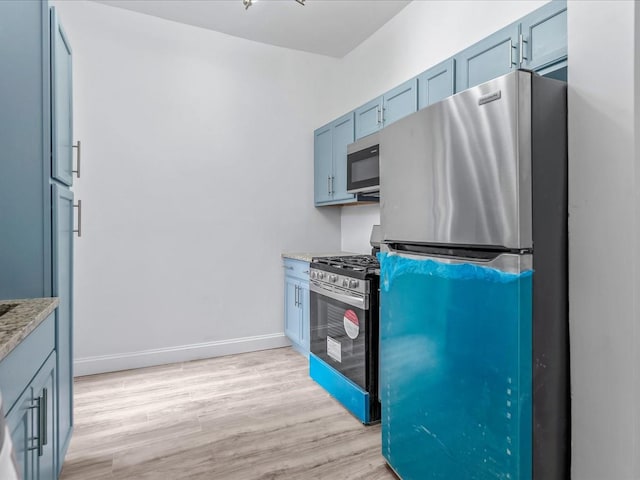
(369, 118)
(492, 57)
(437, 83)
(61, 104)
(400, 102)
(323, 164)
(330, 161)
(343, 131)
(393, 105)
(544, 36)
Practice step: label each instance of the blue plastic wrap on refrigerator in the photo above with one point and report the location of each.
(455, 370)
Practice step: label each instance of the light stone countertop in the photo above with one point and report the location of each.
(22, 319)
(307, 257)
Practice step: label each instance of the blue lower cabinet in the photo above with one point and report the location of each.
(28, 381)
(296, 304)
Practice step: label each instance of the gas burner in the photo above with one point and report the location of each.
(353, 262)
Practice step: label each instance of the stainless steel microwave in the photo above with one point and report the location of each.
(363, 165)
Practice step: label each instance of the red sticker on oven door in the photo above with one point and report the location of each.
(351, 324)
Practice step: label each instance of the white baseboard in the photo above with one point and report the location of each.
(182, 353)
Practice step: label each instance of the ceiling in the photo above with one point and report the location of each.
(327, 27)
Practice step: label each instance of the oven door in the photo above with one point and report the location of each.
(339, 331)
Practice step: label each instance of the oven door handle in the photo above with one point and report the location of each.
(357, 302)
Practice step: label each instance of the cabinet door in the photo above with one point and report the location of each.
(544, 35)
(400, 102)
(436, 83)
(43, 393)
(61, 104)
(343, 135)
(19, 420)
(369, 118)
(322, 164)
(492, 57)
(62, 228)
(291, 309)
(305, 324)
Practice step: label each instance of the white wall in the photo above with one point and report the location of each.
(422, 35)
(197, 173)
(603, 239)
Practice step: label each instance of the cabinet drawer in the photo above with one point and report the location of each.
(20, 366)
(296, 268)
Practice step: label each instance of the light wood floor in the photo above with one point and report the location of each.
(250, 416)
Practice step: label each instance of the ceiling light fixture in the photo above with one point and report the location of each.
(248, 3)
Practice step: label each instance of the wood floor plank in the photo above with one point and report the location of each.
(254, 416)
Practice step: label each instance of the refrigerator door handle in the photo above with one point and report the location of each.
(505, 262)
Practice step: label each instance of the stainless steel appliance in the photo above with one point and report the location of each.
(363, 165)
(344, 331)
(474, 330)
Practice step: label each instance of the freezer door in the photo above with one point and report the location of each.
(459, 172)
(456, 368)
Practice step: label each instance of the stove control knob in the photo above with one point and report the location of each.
(313, 275)
(353, 283)
(333, 278)
(345, 282)
(321, 275)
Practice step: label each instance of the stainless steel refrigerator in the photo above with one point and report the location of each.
(474, 347)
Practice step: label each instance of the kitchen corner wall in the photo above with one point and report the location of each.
(604, 237)
(418, 37)
(197, 173)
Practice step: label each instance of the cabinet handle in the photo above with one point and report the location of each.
(297, 296)
(77, 172)
(511, 47)
(79, 229)
(328, 184)
(38, 439)
(44, 435)
(287, 267)
(379, 116)
(306, 271)
(522, 41)
(332, 190)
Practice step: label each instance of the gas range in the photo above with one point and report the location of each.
(344, 331)
(344, 271)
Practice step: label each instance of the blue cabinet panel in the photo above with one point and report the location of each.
(296, 304)
(343, 135)
(24, 154)
(400, 102)
(62, 228)
(31, 369)
(323, 164)
(369, 118)
(492, 57)
(19, 367)
(291, 313)
(61, 104)
(305, 338)
(330, 161)
(19, 420)
(43, 393)
(436, 83)
(544, 35)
